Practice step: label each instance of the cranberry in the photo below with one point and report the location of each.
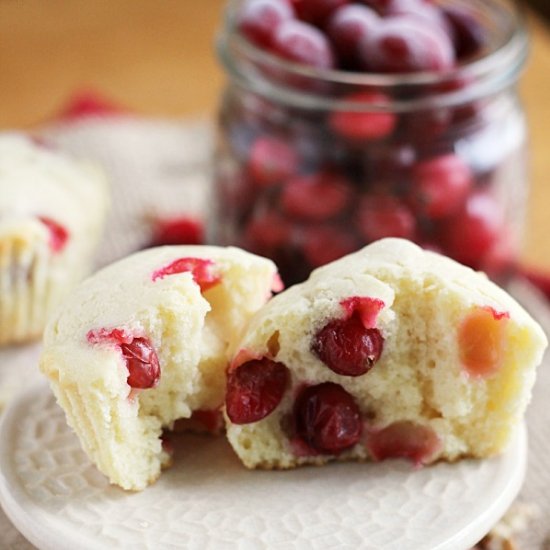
(424, 12)
(324, 244)
(259, 19)
(441, 185)
(367, 125)
(404, 439)
(379, 5)
(327, 419)
(390, 162)
(179, 230)
(267, 232)
(406, 45)
(346, 347)
(203, 271)
(59, 236)
(317, 11)
(348, 26)
(468, 34)
(271, 161)
(141, 358)
(422, 127)
(254, 389)
(316, 197)
(380, 216)
(304, 44)
(481, 341)
(474, 230)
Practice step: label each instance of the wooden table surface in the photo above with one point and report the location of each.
(157, 58)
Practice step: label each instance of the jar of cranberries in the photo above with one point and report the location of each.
(346, 121)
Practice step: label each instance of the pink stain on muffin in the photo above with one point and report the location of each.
(203, 271)
(59, 235)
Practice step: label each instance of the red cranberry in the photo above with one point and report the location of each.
(180, 230)
(406, 45)
(347, 27)
(317, 11)
(441, 185)
(327, 419)
(203, 271)
(364, 126)
(141, 358)
(316, 197)
(346, 347)
(404, 440)
(379, 5)
(268, 232)
(468, 34)
(474, 230)
(380, 216)
(259, 19)
(271, 161)
(254, 389)
(59, 236)
(422, 127)
(142, 363)
(304, 44)
(324, 244)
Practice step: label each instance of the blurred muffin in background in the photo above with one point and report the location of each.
(52, 209)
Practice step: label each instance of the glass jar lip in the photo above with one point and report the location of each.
(504, 62)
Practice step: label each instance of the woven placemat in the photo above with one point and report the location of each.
(162, 169)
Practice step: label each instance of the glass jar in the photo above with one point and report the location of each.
(313, 164)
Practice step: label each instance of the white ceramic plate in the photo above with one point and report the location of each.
(207, 500)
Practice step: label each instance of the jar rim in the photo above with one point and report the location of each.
(488, 74)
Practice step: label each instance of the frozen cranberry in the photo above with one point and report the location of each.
(304, 44)
(317, 11)
(268, 231)
(361, 126)
(259, 19)
(406, 45)
(59, 236)
(327, 419)
(481, 341)
(440, 185)
(179, 230)
(347, 27)
(141, 358)
(324, 244)
(390, 162)
(379, 5)
(404, 439)
(317, 197)
(423, 11)
(346, 347)
(474, 230)
(380, 216)
(469, 36)
(254, 389)
(422, 127)
(271, 161)
(203, 271)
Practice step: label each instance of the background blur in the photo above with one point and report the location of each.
(156, 58)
